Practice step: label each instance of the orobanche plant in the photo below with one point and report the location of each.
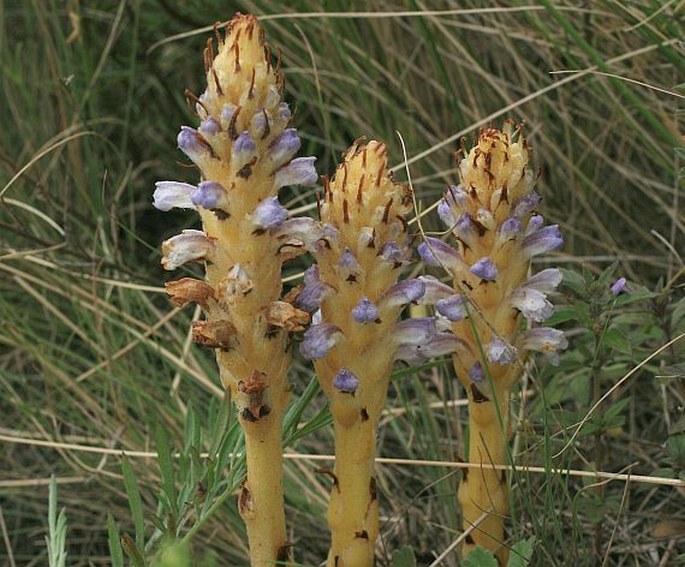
(491, 215)
(245, 153)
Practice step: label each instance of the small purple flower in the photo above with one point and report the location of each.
(542, 240)
(346, 382)
(284, 113)
(301, 230)
(619, 286)
(284, 148)
(545, 281)
(465, 229)
(484, 269)
(170, 194)
(535, 223)
(457, 196)
(452, 308)
(189, 246)
(501, 352)
(403, 292)
(348, 265)
(192, 145)
(210, 127)
(299, 171)
(269, 214)
(244, 149)
(365, 311)
(509, 228)
(314, 291)
(391, 252)
(446, 213)
(227, 113)
(476, 373)
(209, 195)
(526, 204)
(414, 331)
(259, 124)
(434, 290)
(532, 303)
(318, 340)
(434, 252)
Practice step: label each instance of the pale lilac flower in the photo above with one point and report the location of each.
(438, 345)
(210, 127)
(170, 194)
(345, 381)
(446, 213)
(192, 145)
(259, 124)
(526, 204)
(348, 266)
(209, 195)
(391, 252)
(476, 372)
(269, 214)
(414, 331)
(243, 150)
(318, 340)
(314, 290)
(299, 171)
(545, 340)
(435, 253)
(227, 113)
(545, 281)
(365, 311)
(434, 290)
(484, 269)
(501, 352)
(452, 308)
(403, 292)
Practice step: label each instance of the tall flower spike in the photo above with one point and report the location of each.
(244, 152)
(363, 241)
(491, 215)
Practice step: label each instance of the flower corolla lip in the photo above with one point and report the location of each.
(300, 171)
(348, 265)
(314, 291)
(392, 252)
(533, 304)
(509, 228)
(438, 345)
(526, 204)
(170, 194)
(546, 340)
(365, 311)
(414, 331)
(545, 281)
(452, 307)
(434, 290)
(501, 352)
(542, 240)
(404, 292)
(434, 252)
(208, 195)
(190, 245)
(485, 269)
(446, 213)
(269, 214)
(318, 340)
(210, 126)
(345, 381)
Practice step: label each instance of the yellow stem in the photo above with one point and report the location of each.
(353, 508)
(261, 499)
(483, 490)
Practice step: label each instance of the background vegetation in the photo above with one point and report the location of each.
(95, 361)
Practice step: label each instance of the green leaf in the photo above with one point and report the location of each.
(615, 340)
(480, 557)
(522, 552)
(404, 557)
(134, 501)
(166, 468)
(116, 553)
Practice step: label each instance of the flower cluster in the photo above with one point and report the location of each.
(492, 216)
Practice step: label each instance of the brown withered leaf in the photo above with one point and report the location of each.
(669, 529)
(189, 290)
(282, 314)
(293, 294)
(214, 334)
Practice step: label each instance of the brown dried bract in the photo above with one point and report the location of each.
(214, 334)
(189, 290)
(283, 314)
